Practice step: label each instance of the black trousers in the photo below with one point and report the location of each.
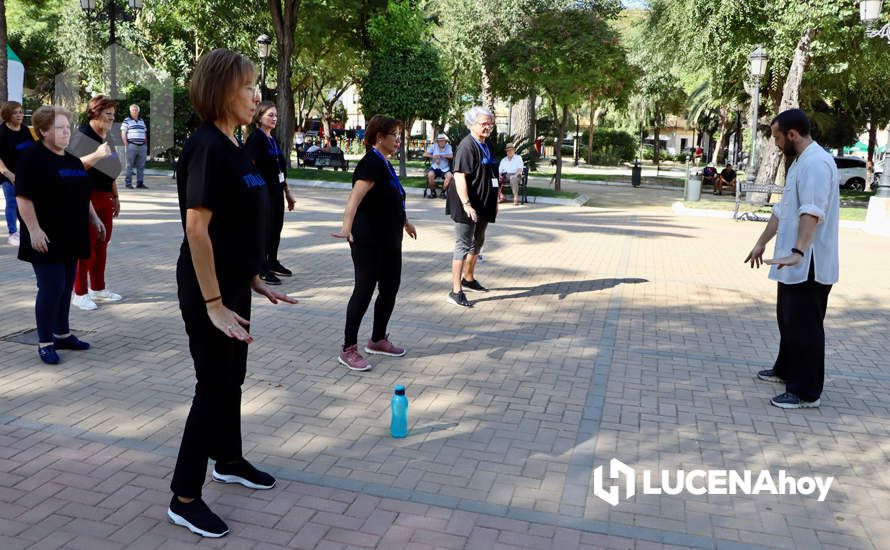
(213, 427)
(276, 223)
(53, 304)
(379, 267)
(800, 310)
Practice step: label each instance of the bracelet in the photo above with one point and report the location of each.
(211, 300)
(797, 251)
(466, 203)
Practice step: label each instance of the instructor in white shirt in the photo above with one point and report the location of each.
(805, 266)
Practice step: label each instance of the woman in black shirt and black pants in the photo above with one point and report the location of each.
(373, 223)
(267, 156)
(223, 203)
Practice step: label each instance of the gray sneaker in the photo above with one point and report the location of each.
(769, 375)
(791, 401)
(459, 299)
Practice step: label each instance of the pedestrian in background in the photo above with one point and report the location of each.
(134, 135)
(15, 138)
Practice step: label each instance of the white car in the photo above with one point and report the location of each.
(851, 172)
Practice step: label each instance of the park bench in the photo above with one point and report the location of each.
(323, 159)
(745, 187)
(439, 180)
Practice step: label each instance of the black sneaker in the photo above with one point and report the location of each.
(432, 194)
(128, 186)
(459, 299)
(791, 401)
(70, 342)
(278, 269)
(197, 518)
(472, 286)
(244, 473)
(270, 279)
(769, 375)
(141, 186)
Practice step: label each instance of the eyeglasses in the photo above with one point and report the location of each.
(108, 114)
(395, 135)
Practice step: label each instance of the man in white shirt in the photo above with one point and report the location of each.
(805, 266)
(510, 169)
(440, 155)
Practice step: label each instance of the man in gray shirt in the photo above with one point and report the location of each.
(134, 136)
(805, 224)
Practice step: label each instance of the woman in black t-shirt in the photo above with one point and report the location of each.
(372, 224)
(53, 192)
(269, 160)
(223, 205)
(91, 143)
(15, 138)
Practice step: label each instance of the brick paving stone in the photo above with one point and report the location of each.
(616, 332)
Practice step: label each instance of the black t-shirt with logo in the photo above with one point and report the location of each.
(12, 144)
(85, 142)
(728, 174)
(60, 188)
(268, 158)
(470, 161)
(216, 174)
(380, 217)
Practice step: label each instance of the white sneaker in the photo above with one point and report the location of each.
(84, 302)
(13, 239)
(104, 294)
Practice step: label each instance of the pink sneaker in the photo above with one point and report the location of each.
(353, 359)
(384, 347)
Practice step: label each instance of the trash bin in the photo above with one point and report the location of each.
(636, 174)
(693, 189)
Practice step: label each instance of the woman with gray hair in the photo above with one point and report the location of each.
(472, 202)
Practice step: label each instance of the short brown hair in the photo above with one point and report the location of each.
(217, 76)
(379, 124)
(261, 110)
(44, 117)
(98, 104)
(8, 108)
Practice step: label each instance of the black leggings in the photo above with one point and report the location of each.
(54, 283)
(374, 266)
(276, 224)
(213, 427)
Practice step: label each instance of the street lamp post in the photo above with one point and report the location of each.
(758, 59)
(263, 45)
(111, 14)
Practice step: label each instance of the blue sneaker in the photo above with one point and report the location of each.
(48, 355)
(70, 342)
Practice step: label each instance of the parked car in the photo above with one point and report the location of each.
(879, 172)
(851, 172)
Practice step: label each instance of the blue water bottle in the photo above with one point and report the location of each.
(399, 423)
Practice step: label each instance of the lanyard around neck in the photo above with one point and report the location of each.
(486, 152)
(392, 172)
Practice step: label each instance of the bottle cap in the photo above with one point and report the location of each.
(400, 390)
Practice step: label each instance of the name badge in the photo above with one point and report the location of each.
(280, 177)
(494, 182)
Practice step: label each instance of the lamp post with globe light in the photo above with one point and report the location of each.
(263, 45)
(111, 13)
(758, 59)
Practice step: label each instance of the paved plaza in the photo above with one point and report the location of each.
(621, 332)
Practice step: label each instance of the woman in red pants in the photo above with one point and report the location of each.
(91, 144)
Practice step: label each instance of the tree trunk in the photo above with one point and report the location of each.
(284, 20)
(560, 135)
(403, 150)
(656, 131)
(771, 157)
(4, 62)
(487, 96)
(872, 145)
(724, 137)
(524, 121)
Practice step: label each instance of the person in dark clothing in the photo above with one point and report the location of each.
(224, 208)
(372, 224)
(472, 202)
(15, 138)
(709, 176)
(267, 156)
(727, 177)
(53, 192)
(91, 143)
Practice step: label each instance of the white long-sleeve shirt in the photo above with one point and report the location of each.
(811, 187)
